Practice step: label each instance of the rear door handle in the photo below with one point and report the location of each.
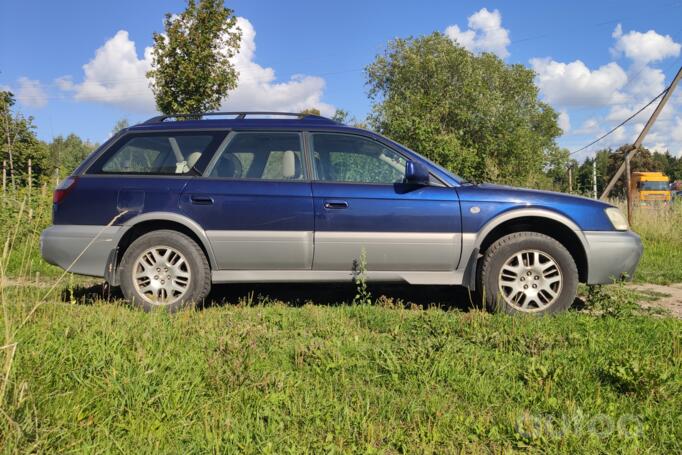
(335, 204)
(201, 200)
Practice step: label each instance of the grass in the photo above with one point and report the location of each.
(271, 375)
(661, 231)
(351, 378)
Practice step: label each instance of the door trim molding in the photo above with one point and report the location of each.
(334, 276)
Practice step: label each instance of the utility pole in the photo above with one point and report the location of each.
(594, 176)
(570, 179)
(638, 143)
(628, 175)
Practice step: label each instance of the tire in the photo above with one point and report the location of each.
(164, 269)
(527, 273)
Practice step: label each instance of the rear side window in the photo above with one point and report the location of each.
(262, 155)
(162, 154)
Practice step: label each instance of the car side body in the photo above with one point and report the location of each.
(303, 225)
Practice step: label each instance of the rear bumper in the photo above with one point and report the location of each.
(612, 255)
(83, 250)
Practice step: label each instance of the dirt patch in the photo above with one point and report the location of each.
(666, 297)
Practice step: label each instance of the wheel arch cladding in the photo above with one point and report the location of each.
(154, 224)
(543, 225)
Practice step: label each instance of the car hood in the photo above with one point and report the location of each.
(491, 191)
(482, 203)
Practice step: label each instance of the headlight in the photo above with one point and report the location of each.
(620, 223)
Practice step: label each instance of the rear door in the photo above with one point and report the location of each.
(361, 203)
(255, 202)
(141, 172)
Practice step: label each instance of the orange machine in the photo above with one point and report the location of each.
(650, 188)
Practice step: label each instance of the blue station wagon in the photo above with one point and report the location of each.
(167, 207)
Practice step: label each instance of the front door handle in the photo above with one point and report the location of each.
(201, 200)
(335, 204)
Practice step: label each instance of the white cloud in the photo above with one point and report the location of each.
(117, 76)
(64, 83)
(588, 127)
(259, 90)
(643, 48)
(564, 121)
(645, 83)
(574, 84)
(31, 93)
(485, 33)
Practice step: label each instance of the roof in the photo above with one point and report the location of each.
(237, 120)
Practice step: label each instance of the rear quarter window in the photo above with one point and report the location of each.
(158, 154)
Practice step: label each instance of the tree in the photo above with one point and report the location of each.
(19, 143)
(557, 162)
(473, 114)
(310, 111)
(346, 118)
(120, 125)
(191, 67)
(641, 161)
(584, 182)
(66, 153)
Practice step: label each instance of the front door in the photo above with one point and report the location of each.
(255, 203)
(361, 203)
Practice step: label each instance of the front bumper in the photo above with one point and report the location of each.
(612, 255)
(79, 249)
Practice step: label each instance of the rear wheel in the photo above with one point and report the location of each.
(528, 272)
(164, 269)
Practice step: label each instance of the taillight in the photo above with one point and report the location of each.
(63, 189)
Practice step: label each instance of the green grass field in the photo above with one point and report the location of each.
(274, 378)
(661, 232)
(297, 370)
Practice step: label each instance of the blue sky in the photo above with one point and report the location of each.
(78, 66)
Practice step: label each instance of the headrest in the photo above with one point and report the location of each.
(193, 158)
(289, 165)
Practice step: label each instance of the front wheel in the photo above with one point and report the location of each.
(528, 272)
(164, 269)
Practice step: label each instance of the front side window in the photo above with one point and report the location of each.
(355, 159)
(263, 155)
(163, 154)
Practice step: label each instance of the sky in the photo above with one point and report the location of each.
(79, 66)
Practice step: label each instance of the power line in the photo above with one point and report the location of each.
(622, 123)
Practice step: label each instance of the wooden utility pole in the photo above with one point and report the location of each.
(570, 179)
(594, 176)
(638, 143)
(628, 190)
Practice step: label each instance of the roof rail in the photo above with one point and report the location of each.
(238, 116)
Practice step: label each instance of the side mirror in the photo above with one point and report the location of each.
(416, 173)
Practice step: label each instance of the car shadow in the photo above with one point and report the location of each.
(296, 295)
(332, 294)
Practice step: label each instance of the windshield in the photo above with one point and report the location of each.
(653, 186)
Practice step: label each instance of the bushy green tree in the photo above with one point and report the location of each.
(475, 115)
(19, 143)
(557, 162)
(191, 68)
(66, 153)
(311, 111)
(120, 124)
(643, 160)
(343, 116)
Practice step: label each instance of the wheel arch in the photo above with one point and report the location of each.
(543, 221)
(153, 221)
